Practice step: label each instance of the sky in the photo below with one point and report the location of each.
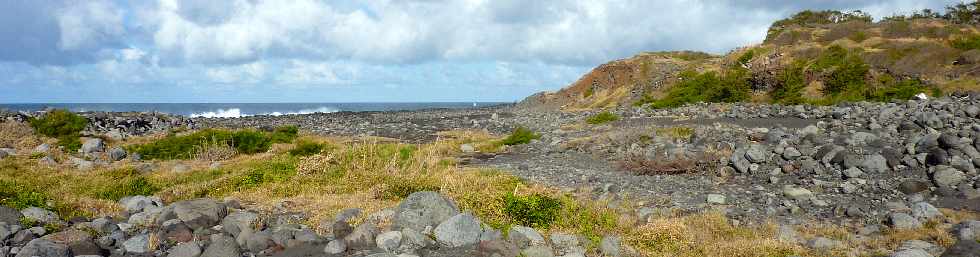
(357, 51)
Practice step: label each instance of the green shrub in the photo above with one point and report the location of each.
(602, 117)
(693, 87)
(588, 92)
(746, 57)
(844, 72)
(858, 36)
(811, 18)
(128, 186)
(276, 170)
(535, 210)
(521, 135)
(791, 83)
(184, 147)
(896, 89)
(399, 188)
(307, 148)
(966, 43)
(63, 125)
(284, 134)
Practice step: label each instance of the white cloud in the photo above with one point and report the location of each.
(87, 24)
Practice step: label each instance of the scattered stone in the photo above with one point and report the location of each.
(797, 193)
(185, 250)
(222, 246)
(117, 154)
(389, 241)
(335, 247)
(757, 153)
(467, 148)
(911, 253)
(716, 199)
(200, 213)
(40, 215)
(44, 248)
(139, 244)
(925, 211)
(362, 238)
(902, 221)
(93, 145)
(538, 251)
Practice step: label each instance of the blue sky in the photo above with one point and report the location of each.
(356, 51)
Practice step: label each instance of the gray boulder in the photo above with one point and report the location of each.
(962, 248)
(968, 230)
(948, 177)
(757, 153)
(524, 237)
(44, 248)
(93, 145)
(739, 162)
(40, 215)
(389, 241)
(239, 221)
(911, 253)
(925, 211)
(413, 240)
(610, 246)
(458, 231)
(9, 215)
(362, 237)
(538, 251)
(189, 249)
(335, 247)
(421, 209)
(117, 154)
(222, 246)
(139, 244)
(139, 203)
(874, 163)
(200, 213)
(902, 221)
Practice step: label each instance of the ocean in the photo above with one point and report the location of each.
(231, 110)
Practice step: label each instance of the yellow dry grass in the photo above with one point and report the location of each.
(18, 135)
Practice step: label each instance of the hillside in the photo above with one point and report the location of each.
(812, 57)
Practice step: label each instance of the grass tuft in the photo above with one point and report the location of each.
(535, 210)
(63, 125)
(602, 118)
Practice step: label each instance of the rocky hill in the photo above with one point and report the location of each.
(812, 57)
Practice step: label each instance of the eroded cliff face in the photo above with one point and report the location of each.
(936, 52)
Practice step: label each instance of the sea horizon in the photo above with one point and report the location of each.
(244, 109)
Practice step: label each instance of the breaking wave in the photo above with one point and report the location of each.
(237, 113)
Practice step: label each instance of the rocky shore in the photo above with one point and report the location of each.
(423, 224)
(869, 167)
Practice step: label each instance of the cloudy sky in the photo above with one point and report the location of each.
(356, 51)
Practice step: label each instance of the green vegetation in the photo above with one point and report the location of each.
(790, 90)
(811, 18)
(693, 87)
(521, 135)
(844, 73)
(128, 186)
(588, 92)
(307, 148)
(746, 57)
(602, 118)
(896, 89)
(185, 146)
(534, 210)
(858, 36)
(20, 196)
(63, 125)
(966, 43)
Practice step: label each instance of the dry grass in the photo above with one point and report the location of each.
(707, 234)
(18, 135)
(215, 151)
(643, 166)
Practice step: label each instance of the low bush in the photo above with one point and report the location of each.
(844, 73)
(693, 87)
(63, 125)
(746, 57)
(521, 135)
(534, 210)
(602, 118)
(307, 148)
(187, 146)
(284, 134)
(790, 89)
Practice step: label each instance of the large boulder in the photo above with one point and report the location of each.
(139, 244)
(757, 153)
(40, 215)
(902, 221)
(239, 221)
(9, 215)
(140, 203)
(44, 248)
(422, 209)
(117, 154)
(525, 237)
(925, 211)
(948, 177)
(93, 145)
(79, 242)
(389, 241)
(190, 249)
(222, 246)
(962, 248)
(362, 238)
(200, 213)
(458, 231)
